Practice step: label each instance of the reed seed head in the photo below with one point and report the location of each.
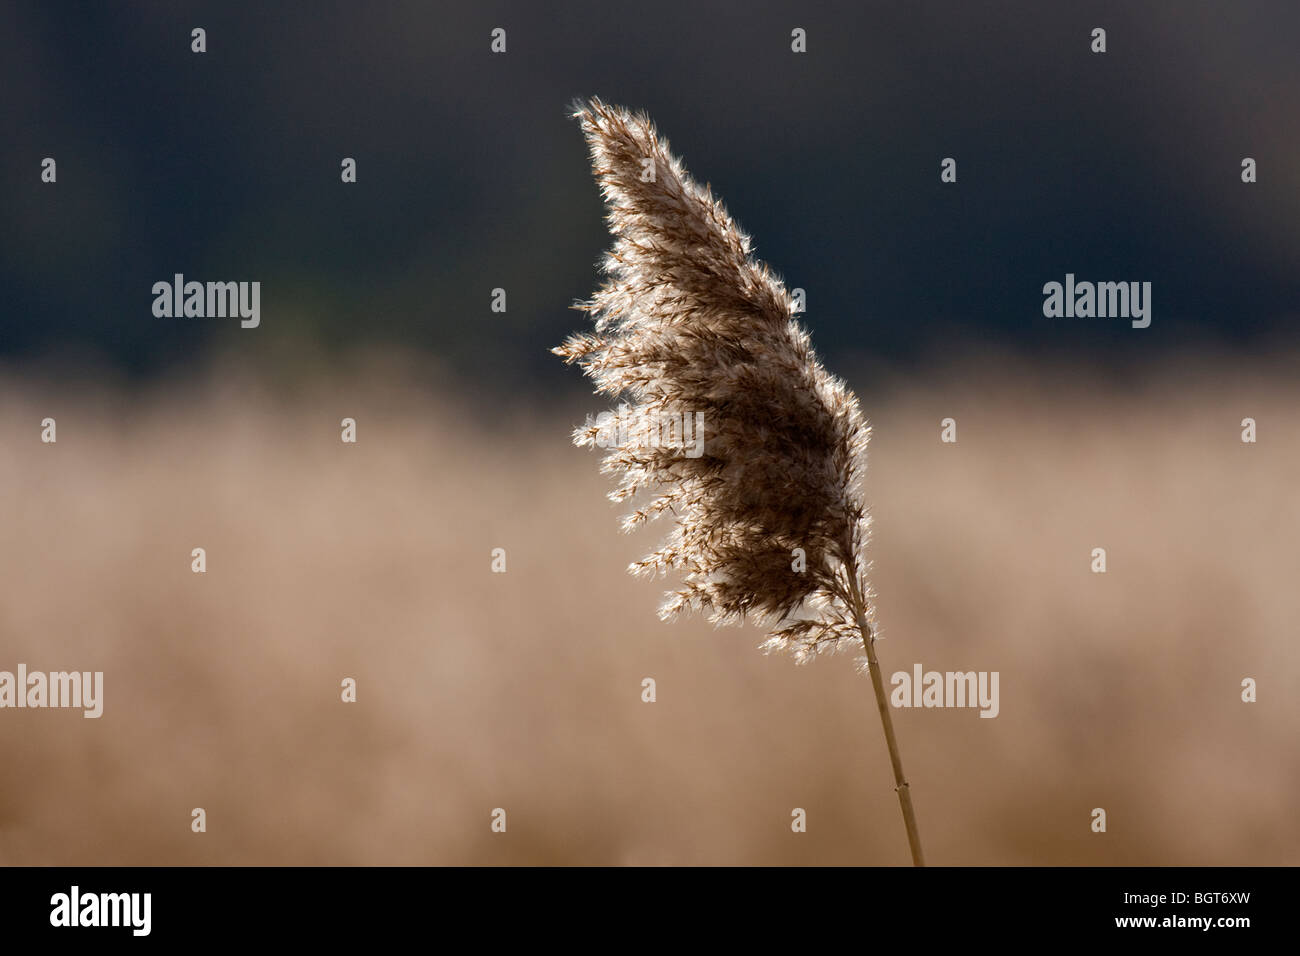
(688, 323)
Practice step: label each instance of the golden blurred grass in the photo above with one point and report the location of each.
(522, 690)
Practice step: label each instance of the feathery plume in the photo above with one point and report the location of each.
(687, 325)
(769, 517)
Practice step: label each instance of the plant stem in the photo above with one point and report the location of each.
(902, 787)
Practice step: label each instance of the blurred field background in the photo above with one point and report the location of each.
(522, 690)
